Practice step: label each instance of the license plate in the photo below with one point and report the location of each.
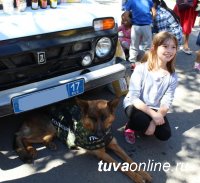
(48, 96)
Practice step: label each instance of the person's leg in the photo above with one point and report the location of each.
(125, 45)
(140, 55)
(146, 37)
(187, 25)
(134, 46)
(186, 48)
(186, 41)
(163, 132)
(138, 120)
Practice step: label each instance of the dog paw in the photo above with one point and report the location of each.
(28, 160)
(139, 181)
(32, 152)
(136, 177)
(146, 176)
(74, 147)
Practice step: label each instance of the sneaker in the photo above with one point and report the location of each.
(187, 51)
(197, 67)
(129, 136)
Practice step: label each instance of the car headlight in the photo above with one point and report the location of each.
(103, 47)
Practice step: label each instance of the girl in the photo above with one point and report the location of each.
(125, 32)
(151, 90)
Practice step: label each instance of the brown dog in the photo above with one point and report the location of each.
(92, 132)
(97, 117)
(37, 128)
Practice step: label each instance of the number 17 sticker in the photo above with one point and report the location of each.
(75, 88)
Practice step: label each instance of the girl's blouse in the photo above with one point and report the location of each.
(151, 88)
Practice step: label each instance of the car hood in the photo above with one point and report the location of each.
(65, 17)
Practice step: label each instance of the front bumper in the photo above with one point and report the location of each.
(96, 76)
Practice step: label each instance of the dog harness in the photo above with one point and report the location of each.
(67, 119)
(91, 141)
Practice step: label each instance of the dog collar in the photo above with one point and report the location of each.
(90, 141)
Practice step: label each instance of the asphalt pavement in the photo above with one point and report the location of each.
(181, 153)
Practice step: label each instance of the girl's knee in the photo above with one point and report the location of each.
(164, 136)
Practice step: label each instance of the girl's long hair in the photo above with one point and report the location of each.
(151, 55)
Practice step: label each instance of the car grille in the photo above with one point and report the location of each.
(19, 59)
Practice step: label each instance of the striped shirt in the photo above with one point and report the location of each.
(164, 21)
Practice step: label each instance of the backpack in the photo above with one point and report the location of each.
(184, 4)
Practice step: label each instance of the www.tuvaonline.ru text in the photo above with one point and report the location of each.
(151, 165)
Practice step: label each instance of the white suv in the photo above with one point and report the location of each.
(49, 55)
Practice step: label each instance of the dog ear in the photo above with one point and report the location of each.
(113, 104)
(83, 104)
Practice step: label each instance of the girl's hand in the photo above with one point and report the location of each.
(151, 129)
(158, 119)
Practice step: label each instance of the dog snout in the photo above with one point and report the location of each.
(100, 131)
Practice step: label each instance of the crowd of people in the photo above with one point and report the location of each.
(160, 32)
(149, 17)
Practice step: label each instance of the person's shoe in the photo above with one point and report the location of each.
(187, 51)
(197, 67)
(129, 136)
(197, 8)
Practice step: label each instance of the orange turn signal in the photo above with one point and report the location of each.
(104, 24)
